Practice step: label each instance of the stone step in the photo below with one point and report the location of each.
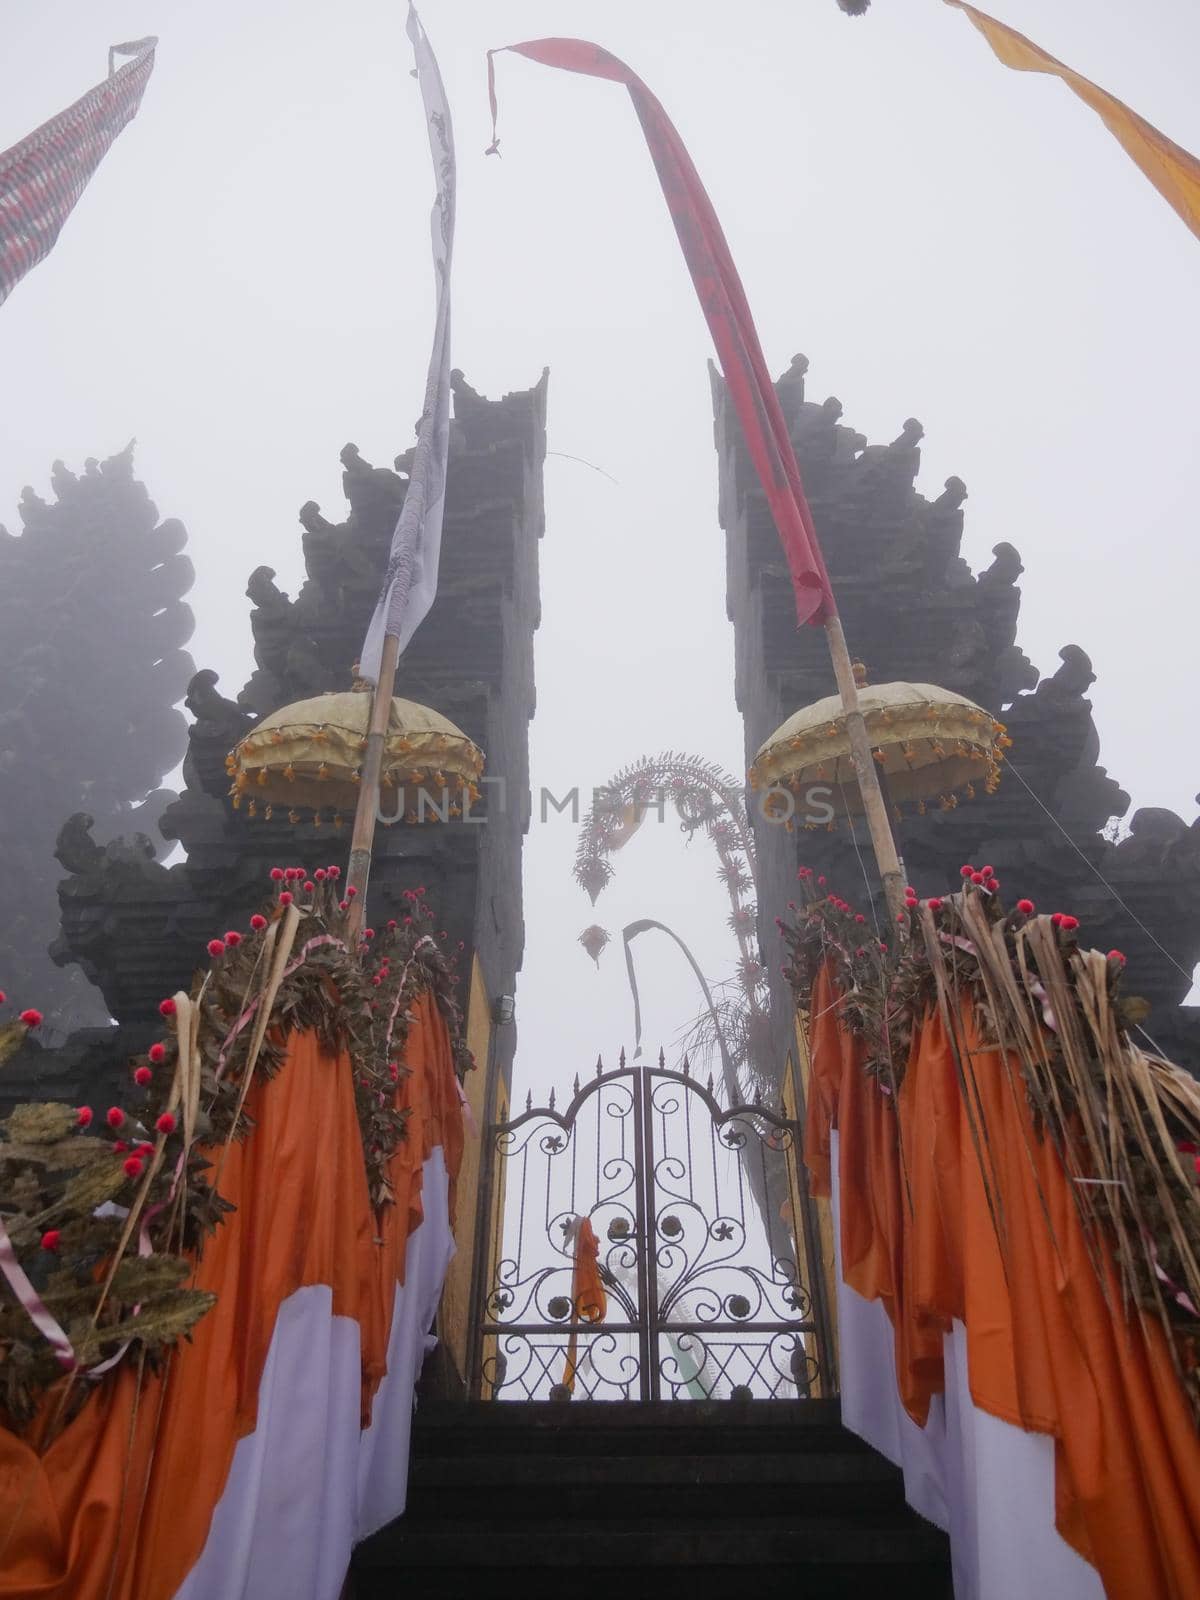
(667, 1427)
(718, 1471)
(687, 1498)
(618, 1488)
(627, 1416)
(846, 1581)
(797, 1542)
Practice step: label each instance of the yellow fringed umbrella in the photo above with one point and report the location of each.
(928, 744)
(308, 757)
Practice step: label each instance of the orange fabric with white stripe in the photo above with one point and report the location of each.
(1047, 1351)
(119, 1506)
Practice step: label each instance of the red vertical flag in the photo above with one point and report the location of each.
(726, 311)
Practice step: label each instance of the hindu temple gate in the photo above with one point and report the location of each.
(693, 1212)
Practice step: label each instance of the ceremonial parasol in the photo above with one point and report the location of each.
(309, 758)
(928, 744)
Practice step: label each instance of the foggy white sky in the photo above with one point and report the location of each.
(246, 286)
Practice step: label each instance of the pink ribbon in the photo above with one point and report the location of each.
(34, 1304)
(468, 1115)
(251, 1010)
(145, 1248)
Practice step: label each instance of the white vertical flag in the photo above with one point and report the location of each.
(410, 583)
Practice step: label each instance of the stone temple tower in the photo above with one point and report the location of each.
(914, 610)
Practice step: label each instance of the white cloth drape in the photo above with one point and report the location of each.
(410, 584)
(989, 1485)
(307, 1484)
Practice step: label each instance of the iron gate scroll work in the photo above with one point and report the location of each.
(696, 1212)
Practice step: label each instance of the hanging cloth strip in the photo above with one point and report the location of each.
(42, 178)
(726, 310)
(589, 1302)
(1173, 171)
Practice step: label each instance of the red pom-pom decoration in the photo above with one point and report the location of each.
(233, 938)
(988, 871)
(285, 898)
(993, 885)
(142, 1076)
(1117, 955)
(1069, 924)
(114, 1116)
(119, 1145)
(1056, 920)
(51, 1239)
(166, 1008)
(859, 918)
(3, 997)
(1025, 907)
(166, 1123)
(83, 1117)
(309, 886)
(31, 1018)
(258, 922)
(391, 924)
(368, 933)
(277, 874)
(883, 947)
(216, 947)
(901, 918)
(966, 870)
(133, 1168)
(351, 892)
(977, 878)
(335, 873)
(934, 903)
(320, 874)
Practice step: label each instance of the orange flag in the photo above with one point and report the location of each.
(1173, 171)
(588, 1299)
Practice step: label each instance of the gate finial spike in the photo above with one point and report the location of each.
(599, 1065)
(710, 1083)
(621, 1057)
(529, 1101)
(687, 1065)
(552, 1099)
(662, 1060)
(575, 1085)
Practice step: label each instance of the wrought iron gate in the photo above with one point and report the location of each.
(697, 1210)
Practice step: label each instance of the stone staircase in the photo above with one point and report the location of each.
(692, 1499)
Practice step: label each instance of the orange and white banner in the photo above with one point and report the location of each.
(248, 1467)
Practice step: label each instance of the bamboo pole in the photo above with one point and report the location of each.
(363, 836)
(878, 822)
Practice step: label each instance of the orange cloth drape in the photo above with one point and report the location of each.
(1173, 171)
(589, 1302)
(119, 1506)
(1047, 1351)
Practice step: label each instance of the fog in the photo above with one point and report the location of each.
(245, 286)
